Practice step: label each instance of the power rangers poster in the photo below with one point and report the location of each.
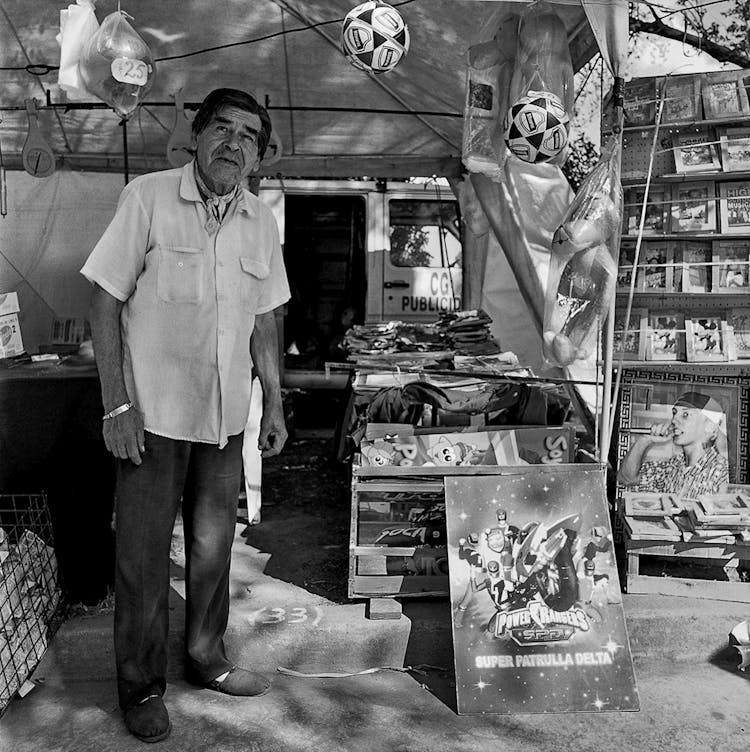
(538, 624)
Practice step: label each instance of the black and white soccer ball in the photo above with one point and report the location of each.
(374, 37)
(536, 127)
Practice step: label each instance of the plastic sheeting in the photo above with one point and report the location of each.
(51, 227)
(524, 204)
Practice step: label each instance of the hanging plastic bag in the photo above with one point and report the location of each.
(542, 70)
(77, 25)
(488, 71)
(543, 60)
(583, 270)
(117, 65)
(481, 109)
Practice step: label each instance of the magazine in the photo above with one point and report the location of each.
(724, 95)
(666, 336)
(656, 268)
(694, 273)
(731, 267)
(735, 149)
(657, 217)
(693, 207)
(695, 152)
(625, 267)
(734, 207)
(682, 101)
(640, 101)
(739, 319)
(630, 343)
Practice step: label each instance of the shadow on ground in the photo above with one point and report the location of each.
(305, 518)
(304, 525)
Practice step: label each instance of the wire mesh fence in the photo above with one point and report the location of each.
(29, 589)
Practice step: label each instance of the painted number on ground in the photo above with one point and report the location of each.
(279, 615)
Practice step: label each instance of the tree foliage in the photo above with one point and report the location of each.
(582, 158)
(408, 246)
(719, 30)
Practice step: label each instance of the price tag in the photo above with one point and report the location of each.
(129, 71)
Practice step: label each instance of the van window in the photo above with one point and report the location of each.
(425, 233)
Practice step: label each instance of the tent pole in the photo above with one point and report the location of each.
(606, 426)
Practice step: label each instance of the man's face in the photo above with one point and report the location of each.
(690, 426)
(227, 148)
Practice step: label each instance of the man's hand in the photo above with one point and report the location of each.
(661, 432)
(273, 433)
(123, 436)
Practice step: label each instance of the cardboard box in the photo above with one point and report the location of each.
(11, 343)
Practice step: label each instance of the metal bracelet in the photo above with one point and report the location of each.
(118, 411)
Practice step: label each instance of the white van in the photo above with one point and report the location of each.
(360, 252)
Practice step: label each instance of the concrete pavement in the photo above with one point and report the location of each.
(692, 696)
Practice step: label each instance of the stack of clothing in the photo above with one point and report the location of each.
(468, 332)
(389, 341)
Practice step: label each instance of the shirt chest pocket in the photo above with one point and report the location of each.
(254, 273)
(181, 274)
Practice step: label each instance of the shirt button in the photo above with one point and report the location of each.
(220, 264)
(180, 264)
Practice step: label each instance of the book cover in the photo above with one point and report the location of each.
(739, 319)
(735, 149)
(538, 623)
(693, 266)
(657, 211)
(682, 100)
(695, 152)
(734, 207)
(657, 266)
(724, 95)
(693, 207)
(731, 259)
(640, 101)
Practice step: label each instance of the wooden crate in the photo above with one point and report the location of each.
(718, 559)
(379, 570)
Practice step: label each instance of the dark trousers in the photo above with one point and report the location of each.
(147, 498)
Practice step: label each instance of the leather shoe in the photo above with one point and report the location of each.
(241, 682)
(149, 720)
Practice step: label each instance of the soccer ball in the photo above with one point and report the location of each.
(374, 37)
(536, 127)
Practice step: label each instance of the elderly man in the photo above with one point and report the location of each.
(696, 466)
(186, 280)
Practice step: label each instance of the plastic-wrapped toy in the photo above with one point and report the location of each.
(583, 270)
(117, 65)
(543, 60)
(542, 70)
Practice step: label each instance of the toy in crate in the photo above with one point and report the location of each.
(29, 592)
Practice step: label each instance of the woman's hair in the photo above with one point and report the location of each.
(219, 98)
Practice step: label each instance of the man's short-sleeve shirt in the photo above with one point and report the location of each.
(191, 290)
(709, 475)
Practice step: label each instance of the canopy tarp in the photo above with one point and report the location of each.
(333, 121)
(288, 51)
